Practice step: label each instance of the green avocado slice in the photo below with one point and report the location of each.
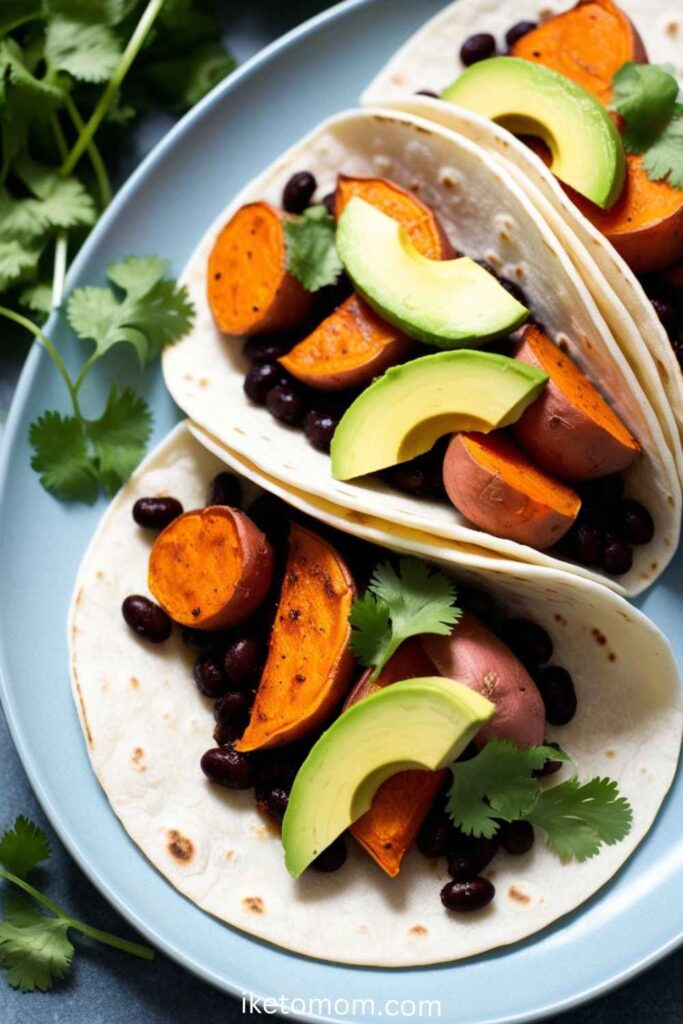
(530, 99)
(447, 303)
(418, 723)
(405, 411)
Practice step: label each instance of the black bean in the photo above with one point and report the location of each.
(465, 896)
(232, 713)
(436, 835)
(585, 544)
(329, 202)
(616, 556)
(480, 604)
(427, 92)
(298, 191)
(243, 661)
(275, 802)
(528, 641)
(517, 837)
(518, 31)
(480, 851)
(200, 639)
(285, 404)
(209, 675)
(559, 696)
(332, 858)
(416, 478)
(146, 618)
(319, 427)
(156, 513)
(224, 735)
(550, 767)
(477, 47)
(636, 523)
(462, 867)
(260, 380)
(228, 767)
(603, 491)
(263, 348)
(225, 490)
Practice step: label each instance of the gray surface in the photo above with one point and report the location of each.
(106, 987)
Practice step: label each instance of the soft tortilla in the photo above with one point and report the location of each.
(146, 726)
(486, 214)
(429, 60)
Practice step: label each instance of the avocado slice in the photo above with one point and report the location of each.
(530, 99)
(447, 303)
(418, 723)
(405, 411)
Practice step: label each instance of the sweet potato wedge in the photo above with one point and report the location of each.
(350, 347)
(474, 656)
(249, 288)
(494, 485)
(388, 830)
(309, 662)
(570, 430)
(210, 568)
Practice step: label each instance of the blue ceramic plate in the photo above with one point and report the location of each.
(164, 208)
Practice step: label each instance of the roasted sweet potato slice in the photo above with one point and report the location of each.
(570, 430)
(494, 485)
(309, 662)
(249, 288)
(210, 568)
(353, 344)
(388, 830)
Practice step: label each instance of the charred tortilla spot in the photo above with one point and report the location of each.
(418, 929)
(179, 846)
(134, 683)
(518, 895)
(254, 905)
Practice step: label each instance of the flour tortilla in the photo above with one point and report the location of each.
(429, 60)
(146, 726)
(487, 215)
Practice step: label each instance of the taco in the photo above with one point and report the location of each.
(339, 746)
(633, 246)
(581, 435)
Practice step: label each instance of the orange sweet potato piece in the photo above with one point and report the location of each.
(570, 430)
(249, 288)
(353, 344)
(388, 830)
(494, 485)
(210, 568)
(309, 662)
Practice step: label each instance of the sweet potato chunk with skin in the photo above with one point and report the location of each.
(570, 430)
(388, 830)
(309, 662)
(494, 485)
(474, 656)
(351, 346)
(210, 568)
(249, 288)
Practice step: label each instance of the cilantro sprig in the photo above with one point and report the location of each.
(35, 948)
(396, 606)
(75, 455)
(311, 252)
(498, 784)
(646, 96)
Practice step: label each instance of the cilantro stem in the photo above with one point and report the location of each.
(134, 948)
(131, 51)
(59, 135)
(23, 321)
(59, 270)
(96, 160)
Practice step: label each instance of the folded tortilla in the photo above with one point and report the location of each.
(429, 60)
(487, 215)
(146, 726)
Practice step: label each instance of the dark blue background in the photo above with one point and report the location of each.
(106, 987)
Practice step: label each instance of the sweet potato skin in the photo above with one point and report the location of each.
(249, 289)
(310, 663)
(571, 442)
(502, 508)
(389, 829)
(350, 347)
(474, 656)
(210, 568)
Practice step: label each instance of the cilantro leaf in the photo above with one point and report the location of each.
(119, 437)
(417, 600)
(23, 846)
(664, 159)
(16, 12)
(61, 457)
(311, 253)
(497, 783)
(155, 312)
(579, 818)
(37, 297)
(181, 81)
(17, 260)
(81, 46)
(35, 955)
(645, 96)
